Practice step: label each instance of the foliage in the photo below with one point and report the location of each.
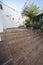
(27, 23)
(31, 11)
(36, 25)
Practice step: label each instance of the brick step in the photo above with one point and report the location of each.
(8, 62)
(2, 44)
(13, 48)
(19, 36)
(14, 34)
(17, 33)
(32, 57)
(39, 53)
(40, 59)
(17, 30)
(5, 54)
(17, 42)
(24, 49)
(23, 55)
(19, 52)
(29, 43)
(24, 44)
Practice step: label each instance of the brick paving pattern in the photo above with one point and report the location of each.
(21, 47)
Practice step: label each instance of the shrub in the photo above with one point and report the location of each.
(36, 26)
(27, 23)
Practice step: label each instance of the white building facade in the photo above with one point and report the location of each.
(9, 17)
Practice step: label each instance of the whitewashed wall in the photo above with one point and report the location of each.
(1, 22)
(7, 15)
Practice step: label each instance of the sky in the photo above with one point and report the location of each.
(19, 4)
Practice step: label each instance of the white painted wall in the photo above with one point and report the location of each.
(8, 22)
(1, 22)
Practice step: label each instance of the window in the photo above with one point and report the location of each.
(1, 7)
(12, 18)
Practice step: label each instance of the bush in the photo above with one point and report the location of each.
(41, 25)
(36, 26)
(27, 23)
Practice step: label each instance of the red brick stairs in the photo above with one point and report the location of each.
(21, 47)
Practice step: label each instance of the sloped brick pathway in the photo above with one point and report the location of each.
(21, 47)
